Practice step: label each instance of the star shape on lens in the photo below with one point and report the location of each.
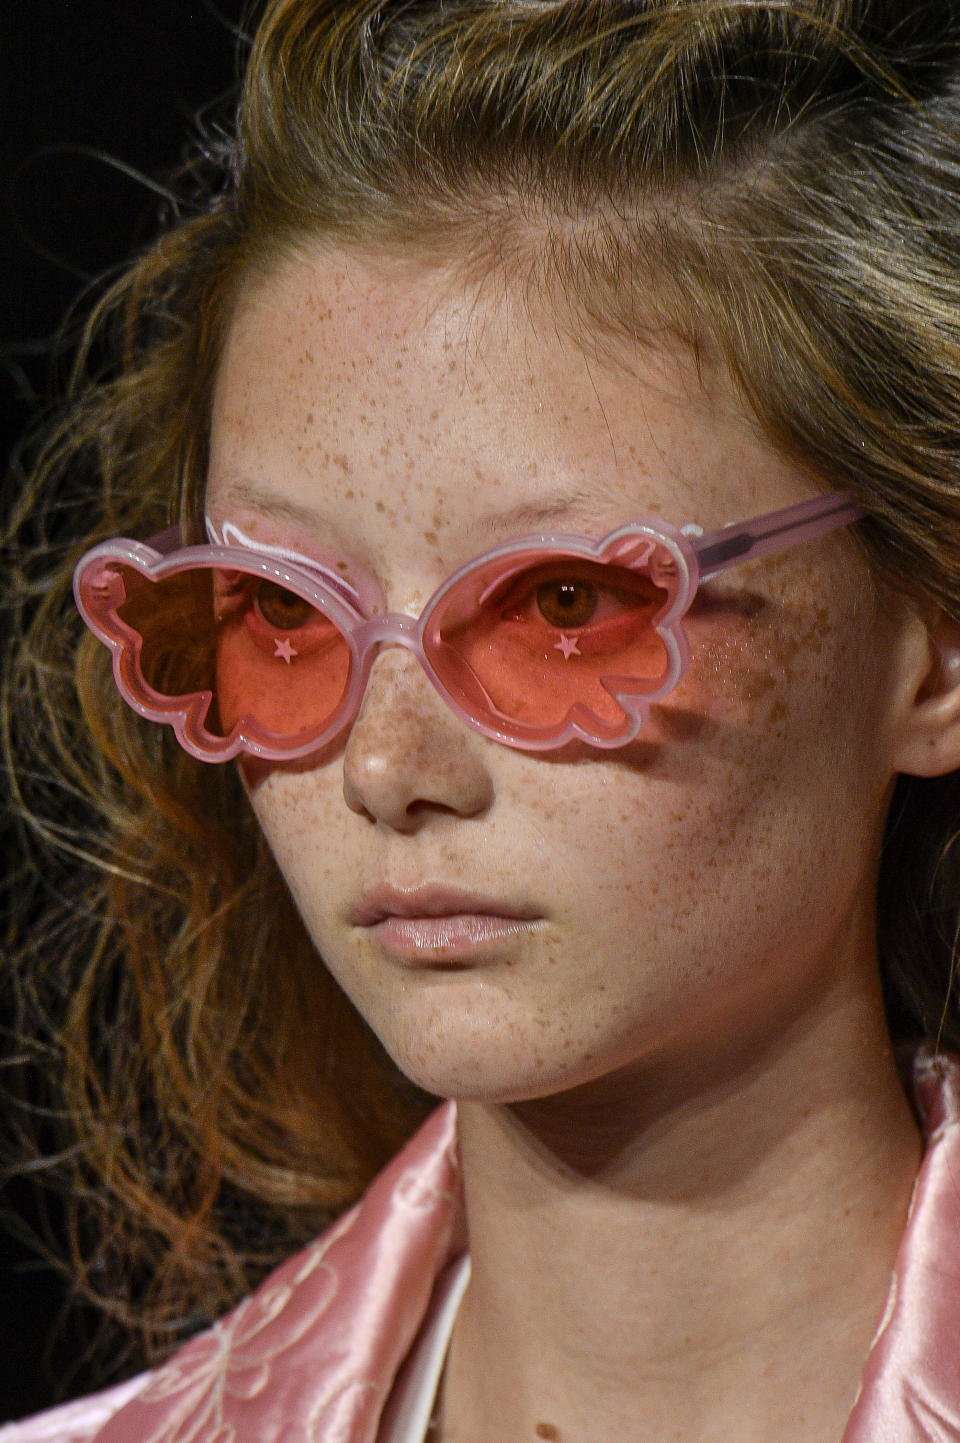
(568, 645)
(284, 649)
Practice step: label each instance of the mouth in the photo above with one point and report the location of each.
(438, 924)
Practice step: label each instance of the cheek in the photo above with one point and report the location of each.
(788, 668)
(300, 822)
(756, 813)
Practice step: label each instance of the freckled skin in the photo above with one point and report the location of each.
(695, 889)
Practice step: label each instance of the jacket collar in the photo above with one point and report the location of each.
(311, 1356)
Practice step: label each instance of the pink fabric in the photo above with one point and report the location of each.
(312, 1355)
(75, 1422)
(910, 1388)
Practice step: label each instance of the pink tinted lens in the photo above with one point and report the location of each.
(271, 660)
(543, 642)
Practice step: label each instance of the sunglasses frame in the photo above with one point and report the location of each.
(695, 555)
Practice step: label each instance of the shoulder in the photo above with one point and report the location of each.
(323, 1335)
(76, 1422)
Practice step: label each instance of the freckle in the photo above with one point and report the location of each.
(348, 495)
(380, 506)
(309, 420)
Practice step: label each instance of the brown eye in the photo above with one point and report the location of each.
(282, 608)
(567, 604)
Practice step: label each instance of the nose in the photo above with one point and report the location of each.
(408, 757)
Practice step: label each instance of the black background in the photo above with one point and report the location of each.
(86, 87)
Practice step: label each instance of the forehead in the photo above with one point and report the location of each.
(388, 395)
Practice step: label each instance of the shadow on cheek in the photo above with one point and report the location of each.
(254, 771)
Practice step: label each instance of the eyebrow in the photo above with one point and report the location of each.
(526, 515)
(535, 513)
(248, 493)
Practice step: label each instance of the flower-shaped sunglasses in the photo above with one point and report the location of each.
(540, 640)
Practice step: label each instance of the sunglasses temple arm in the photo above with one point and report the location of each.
(768, 534)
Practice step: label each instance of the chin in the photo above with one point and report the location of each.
(497, 1073)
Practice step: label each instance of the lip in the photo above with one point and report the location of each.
(434, 900)
(442, 924)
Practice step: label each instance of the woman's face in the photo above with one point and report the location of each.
(515, 924)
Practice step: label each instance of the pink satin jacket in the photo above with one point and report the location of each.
(312, 1355)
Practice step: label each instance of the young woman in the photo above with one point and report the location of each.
(528, 543)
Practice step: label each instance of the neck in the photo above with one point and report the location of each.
(706, 1245)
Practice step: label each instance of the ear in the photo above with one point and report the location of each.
(928, 742)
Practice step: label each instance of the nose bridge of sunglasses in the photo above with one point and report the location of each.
(381, 633)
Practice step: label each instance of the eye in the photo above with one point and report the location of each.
(579, 596)
(282, 608)
(567, 603)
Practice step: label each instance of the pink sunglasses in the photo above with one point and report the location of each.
(537, 641)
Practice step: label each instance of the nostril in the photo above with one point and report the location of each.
(353, 798)
(408, 757)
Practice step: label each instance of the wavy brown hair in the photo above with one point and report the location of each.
(775, 181)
